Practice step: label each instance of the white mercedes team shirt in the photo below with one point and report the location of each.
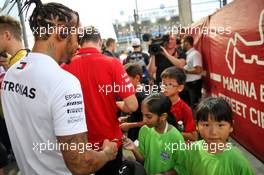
(193, 58)
(41, 101)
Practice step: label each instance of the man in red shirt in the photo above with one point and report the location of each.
(102, 78)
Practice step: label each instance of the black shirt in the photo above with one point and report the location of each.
(161, 62)
(108, 53)
(181, 52)
(136, 116)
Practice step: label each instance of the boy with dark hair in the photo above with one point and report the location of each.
(213, 154)
(135, 121)
(173, 80)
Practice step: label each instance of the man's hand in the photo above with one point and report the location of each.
(125, 126)
(110, 149)
(88, 161)
(123, 119)
(178, 62)
(166, 53)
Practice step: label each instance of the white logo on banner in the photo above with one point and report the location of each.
(237, 37)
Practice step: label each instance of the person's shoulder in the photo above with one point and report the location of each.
(184, 106)
(113, 61)
(180, 105)
(68, 76)
(74, 62)
(175, 133)
(58, 73)
(196, 52)
(144, 129)
(234, 153)
(65, 82)
(46, 71)
(105, 61)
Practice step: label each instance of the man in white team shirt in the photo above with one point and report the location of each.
(43, 104)
(193, 70)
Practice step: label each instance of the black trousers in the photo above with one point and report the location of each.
(193, 92)
(112, 167)
(3, 156)
(4, 137)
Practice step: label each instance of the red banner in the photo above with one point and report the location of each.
(232, 45)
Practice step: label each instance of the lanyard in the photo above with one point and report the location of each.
(18, 52)
(166, 128)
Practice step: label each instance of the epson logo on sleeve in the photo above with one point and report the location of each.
(73, 96)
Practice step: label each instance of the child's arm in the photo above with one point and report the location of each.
(123, 119)
(127, 126)
(129, 145)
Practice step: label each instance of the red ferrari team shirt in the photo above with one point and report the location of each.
(184, 113)
(101, 78)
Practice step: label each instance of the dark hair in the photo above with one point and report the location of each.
(157, 103)
(134, 69)
(12, 25)
(49, 15)
(188, 39)
(90, 34)
(109, 41)
(174, 73)
(216, 108)
(178, 40)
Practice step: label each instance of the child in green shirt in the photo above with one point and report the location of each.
(155, 138)
(214, 155)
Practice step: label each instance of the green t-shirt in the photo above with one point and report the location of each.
(156, 149)
(229, 162)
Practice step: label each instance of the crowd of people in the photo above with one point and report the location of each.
(71, 106)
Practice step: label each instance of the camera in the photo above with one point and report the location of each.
(154, 47)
